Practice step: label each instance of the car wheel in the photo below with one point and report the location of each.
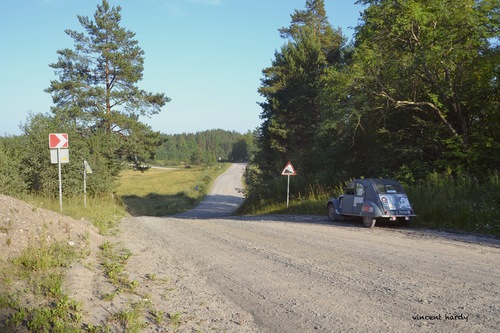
(369, 222)
(332, 214)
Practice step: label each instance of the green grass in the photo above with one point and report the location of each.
(131, 318)
(310, 205)
(113, 261)
(104, 212)
(42, 305)
(162, 192)
(463, 204)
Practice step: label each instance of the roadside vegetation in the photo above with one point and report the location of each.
(426, 116)
(441, 201)
(161, 192)
(464, 204)
(32, 298)
(103, 211)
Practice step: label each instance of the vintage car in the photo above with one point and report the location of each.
(372, 200)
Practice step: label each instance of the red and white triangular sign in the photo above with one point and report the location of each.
(288, 170)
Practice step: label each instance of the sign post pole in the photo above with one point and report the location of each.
(86, 170)
(60, 178)
(288, 192)
(84, 185)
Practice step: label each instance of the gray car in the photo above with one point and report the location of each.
(372, 200)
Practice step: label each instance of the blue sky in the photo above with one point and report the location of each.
(206, 55)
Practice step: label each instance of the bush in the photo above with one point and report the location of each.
(458, 203)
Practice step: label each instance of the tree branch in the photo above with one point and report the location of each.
(420, 106)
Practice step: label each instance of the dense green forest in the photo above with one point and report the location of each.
(414, 97)
(416, 93)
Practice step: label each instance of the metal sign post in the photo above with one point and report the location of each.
(288, 171)
(86, 169)
(60, 178)
(288, 192)
(58, 142)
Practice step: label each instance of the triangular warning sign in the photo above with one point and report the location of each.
(87, 167)
(288, 170)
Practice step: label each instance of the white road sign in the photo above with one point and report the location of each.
(63, 156)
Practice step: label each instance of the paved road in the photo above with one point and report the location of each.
(224, 198)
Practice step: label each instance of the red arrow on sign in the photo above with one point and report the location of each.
(58, 140)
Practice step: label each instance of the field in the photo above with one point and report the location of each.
(165, 191)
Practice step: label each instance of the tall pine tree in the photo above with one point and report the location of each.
(291, 87)
(97, 87)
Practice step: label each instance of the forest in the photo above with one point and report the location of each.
(414, 97)
(415, 94)
(204, 148)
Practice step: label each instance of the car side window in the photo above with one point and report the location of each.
(349, 190)
(360, 190)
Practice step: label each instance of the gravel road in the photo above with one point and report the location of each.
(225, 196)
(305, 274)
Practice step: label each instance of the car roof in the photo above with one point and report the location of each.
(377, 181)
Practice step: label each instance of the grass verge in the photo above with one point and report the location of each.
(104, 212)
(463, 204)
(162, 192)
(32, 297)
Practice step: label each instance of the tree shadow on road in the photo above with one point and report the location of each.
(154, 204)
(385, 226)
(213, 206)
(181, 205)
(347, 222)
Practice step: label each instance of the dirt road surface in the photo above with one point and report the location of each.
(306, 274)
(225, 196)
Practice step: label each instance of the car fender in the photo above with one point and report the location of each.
(336, 204)
(370, 209)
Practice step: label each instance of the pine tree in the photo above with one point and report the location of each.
(97, 87)
(291, 87)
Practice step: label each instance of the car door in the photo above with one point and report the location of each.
(348, 199)
(359, 198)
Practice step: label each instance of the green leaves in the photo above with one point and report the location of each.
(96, 87)
(291, 88)
(433, 46)
(416, 93)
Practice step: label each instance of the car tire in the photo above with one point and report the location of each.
(369, 222)
(332, 214)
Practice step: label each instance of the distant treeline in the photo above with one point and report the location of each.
(206, 147)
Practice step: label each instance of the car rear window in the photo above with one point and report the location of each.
(389, 188)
